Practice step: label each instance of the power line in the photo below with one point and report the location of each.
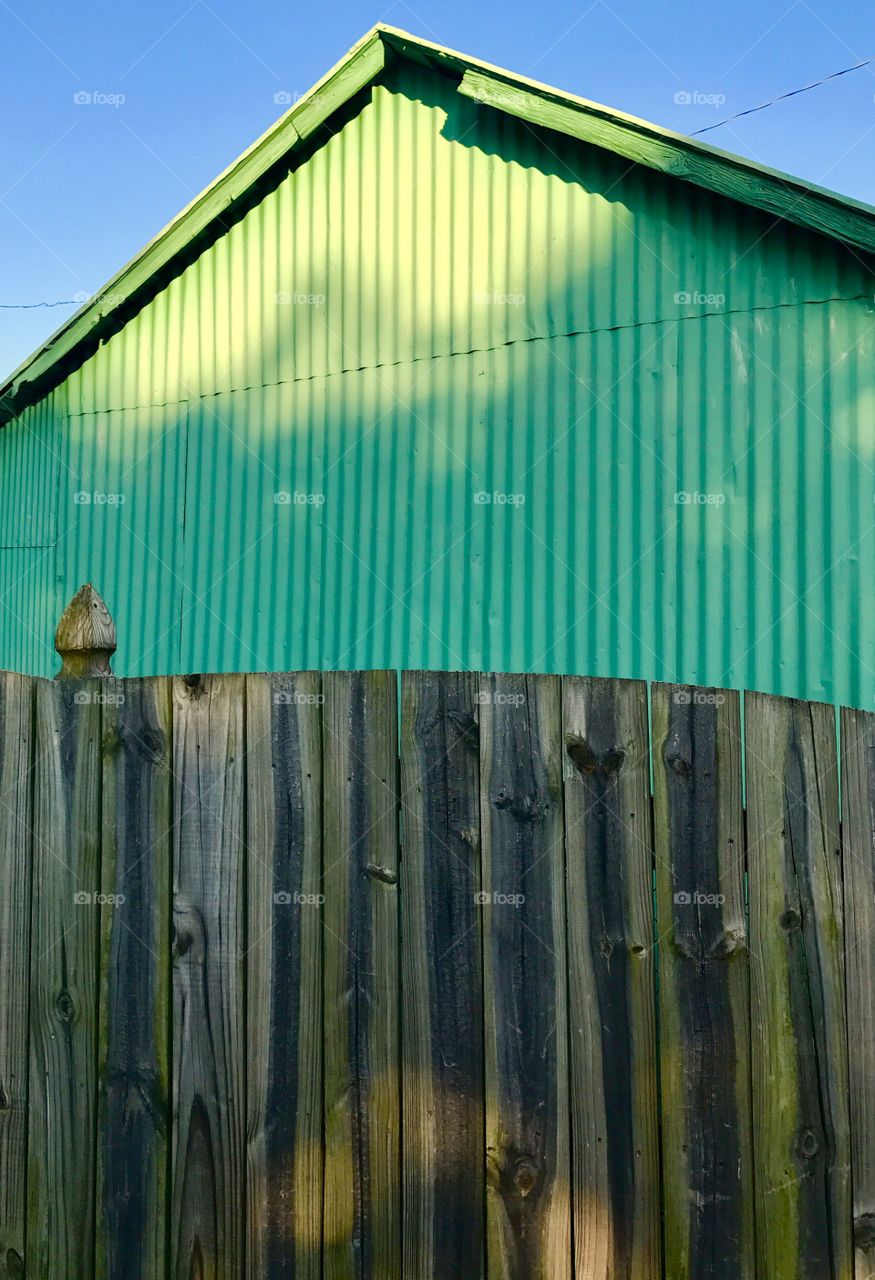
(781, 97)
(32, 306)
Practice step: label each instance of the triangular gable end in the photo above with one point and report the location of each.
(848, 221)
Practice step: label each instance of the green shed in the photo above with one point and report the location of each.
(454, 370)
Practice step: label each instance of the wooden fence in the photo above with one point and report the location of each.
(511, 980)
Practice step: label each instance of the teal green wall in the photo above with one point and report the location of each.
(400, 393)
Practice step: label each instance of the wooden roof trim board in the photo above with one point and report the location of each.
(849, 221)
(775, 193)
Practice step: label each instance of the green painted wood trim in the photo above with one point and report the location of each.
(784, 197)
(81, 335)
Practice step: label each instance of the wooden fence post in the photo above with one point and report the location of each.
(85, 637)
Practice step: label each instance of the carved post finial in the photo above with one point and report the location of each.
(85, 637)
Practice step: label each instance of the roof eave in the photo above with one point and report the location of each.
(102, 314)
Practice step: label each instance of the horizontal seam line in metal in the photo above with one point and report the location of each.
(473, 351)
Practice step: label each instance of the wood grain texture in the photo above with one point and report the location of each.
(362, 1081)
(858, 862)
(442, 1030)
(64, 981)
(799, 1048)
(611, 1015)
(778, 194)
(208, 1137)
(284, 976)
(704, 984)
(85, 637)
(16, 798)
(134, 1068)
(525, 989)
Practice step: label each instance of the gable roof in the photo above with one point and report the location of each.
(851, 222)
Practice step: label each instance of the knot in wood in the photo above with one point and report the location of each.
(526, 806)
(864, 1231)
(581, 754)
(525, 1175)
(586, 759)
(466, 727)
(188, 930)
(65, 1006)
(679, 765)
(14, 1265)
(378, 872)
(807, 1145)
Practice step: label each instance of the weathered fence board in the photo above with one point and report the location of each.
(284, 976)
(858, 860)
(16, 744)
(64, 981)
(704, 987)
(208, 1138)
(444, 1219)
(362, 1215)
(798, 1040)
(525, 995)
(267, 1009)
(611, 1015)
(134, 1068)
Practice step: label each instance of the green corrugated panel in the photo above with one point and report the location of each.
(345, 340)
(29, 467)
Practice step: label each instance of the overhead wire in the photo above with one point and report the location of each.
(782, 97)
(793, 93)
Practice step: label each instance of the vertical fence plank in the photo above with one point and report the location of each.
(134, 1102)
(612, 1018)
(525, 996)
(284, 976)
(858, 860)
(799, 1048)
(16, 780)
(362, 1086)
(64, 981)
(208, 1178)
(442, 978)
(704, 984)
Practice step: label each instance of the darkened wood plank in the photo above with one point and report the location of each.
(16, 781)
(612, 1017)
(207, 1143)
(134, 1086)
(527, 1108)
(799, 1049)
(858, 861)
(362, 1085)
(704, 984)
(284, 976)
(442, 1032)
(64, 981)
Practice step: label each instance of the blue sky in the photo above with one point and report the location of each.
(84, 185)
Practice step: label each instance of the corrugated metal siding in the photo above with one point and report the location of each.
(122, 499)
(29, 470)
(443, 302)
